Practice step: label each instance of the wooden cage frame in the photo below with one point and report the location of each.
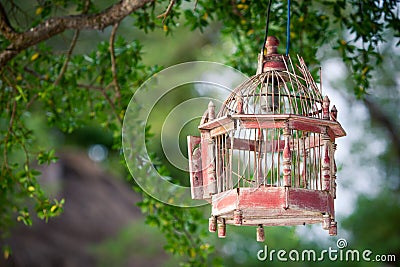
(267, 158)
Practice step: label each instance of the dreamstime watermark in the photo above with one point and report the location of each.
(204, 82)
(339, 253)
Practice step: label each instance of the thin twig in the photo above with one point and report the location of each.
(89, 86)
(9, 132)
(5, 27)
(10, 125)
(34, 73)
(71, 47)
(235, 10)
(31, 101)
(69, 53)
(186, 232)
(102, 90)
(112, 106)
(117, 88)
(167, 11)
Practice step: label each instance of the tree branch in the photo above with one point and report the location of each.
(57, 25)
(165, 14)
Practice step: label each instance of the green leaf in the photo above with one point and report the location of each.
(21, 93)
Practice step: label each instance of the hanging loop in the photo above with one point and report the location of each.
(266, 28)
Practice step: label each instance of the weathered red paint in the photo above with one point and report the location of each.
(262, 197)
(287, 159)
(211, 111)
(266, 205)
(334, 171)
(264, 124)
(239, 105)
(196, 175)
(221, 228)
(310, 200)
(326, 168)
(326, 223)
(212, 224)
(224, 202)
(325, 108)
(215, 123)
(273, 60)
(195, 167)
(260, 234)
(271, 145)
(333, 229)
(208, 164)
(298, 122)
(334, 113)
(223, 129)
(238, 217)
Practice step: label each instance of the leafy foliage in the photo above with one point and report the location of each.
(367, 23)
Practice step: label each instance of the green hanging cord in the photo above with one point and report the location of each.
(266, 27)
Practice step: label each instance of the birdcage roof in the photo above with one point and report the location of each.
(288, 90)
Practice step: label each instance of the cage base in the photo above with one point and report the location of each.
(272, 206)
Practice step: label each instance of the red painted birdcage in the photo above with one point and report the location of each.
(267, 157)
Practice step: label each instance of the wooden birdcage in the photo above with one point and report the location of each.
(267, 157)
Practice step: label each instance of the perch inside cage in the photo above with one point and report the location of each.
(267, 157)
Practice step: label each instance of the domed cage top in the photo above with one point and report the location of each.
(267, 157)
(277, 91)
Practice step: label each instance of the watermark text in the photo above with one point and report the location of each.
(338, 253)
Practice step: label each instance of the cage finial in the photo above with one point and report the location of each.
(273, 60)
(334, 113)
